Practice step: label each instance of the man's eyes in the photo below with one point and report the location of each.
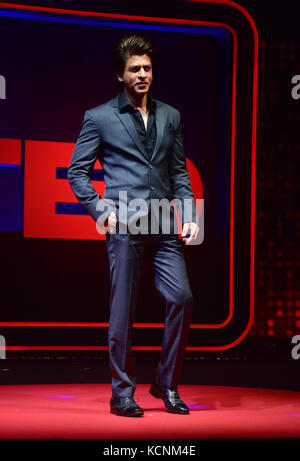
(136, 69)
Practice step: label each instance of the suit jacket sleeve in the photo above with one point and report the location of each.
(81, 168)
(180, 180)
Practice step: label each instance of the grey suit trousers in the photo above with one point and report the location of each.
(125, 254)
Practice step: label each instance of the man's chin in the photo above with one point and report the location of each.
(141, 91)
(136, 92)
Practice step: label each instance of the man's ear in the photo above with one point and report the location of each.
(119, 78)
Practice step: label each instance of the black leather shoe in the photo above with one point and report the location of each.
(125, 406)
(171, 399)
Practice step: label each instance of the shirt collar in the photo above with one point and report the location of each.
(125, 106)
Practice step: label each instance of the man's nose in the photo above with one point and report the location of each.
(142, 73)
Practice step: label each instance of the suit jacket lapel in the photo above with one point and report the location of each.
(126, 120)
(159, 129)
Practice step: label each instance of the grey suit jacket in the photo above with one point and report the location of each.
(110, 136)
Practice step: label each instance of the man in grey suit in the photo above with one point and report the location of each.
(138, 141)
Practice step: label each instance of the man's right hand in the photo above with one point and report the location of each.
(111, 223)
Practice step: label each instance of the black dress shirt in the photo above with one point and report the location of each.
(147, 137)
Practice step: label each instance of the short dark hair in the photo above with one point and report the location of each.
(130, 45)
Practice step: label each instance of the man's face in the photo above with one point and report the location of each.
(137, 76)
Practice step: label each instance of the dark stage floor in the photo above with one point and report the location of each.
(265, 363)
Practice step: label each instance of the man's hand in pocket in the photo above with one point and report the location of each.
(111, 223)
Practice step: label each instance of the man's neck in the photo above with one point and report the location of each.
(138, 103)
